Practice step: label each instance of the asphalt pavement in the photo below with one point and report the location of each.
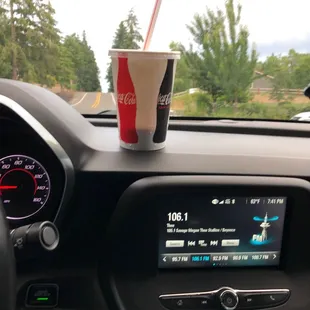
(93, 103)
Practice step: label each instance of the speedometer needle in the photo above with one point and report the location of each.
(7, 187)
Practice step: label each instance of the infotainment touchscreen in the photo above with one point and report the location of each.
(221, 232)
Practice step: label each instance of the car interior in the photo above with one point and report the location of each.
(217, 219)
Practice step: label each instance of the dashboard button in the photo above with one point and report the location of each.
(229, 300)
(49, 236)
(273, 299)
(251, 300)
(42, 295)
(189, 302)
(174, 303)
(263, 300)
(203, 302)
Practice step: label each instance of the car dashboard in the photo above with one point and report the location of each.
(216, 220)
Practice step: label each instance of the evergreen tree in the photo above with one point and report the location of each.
(120, 41)
(66, 73)
(32, 39)
(88, 71)
(127, 36)
(5, 52)
(47, 47)
(32, 50)
(109, 78)
(134, 37)
(82, 57)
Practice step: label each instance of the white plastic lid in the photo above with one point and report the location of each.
(123, 53)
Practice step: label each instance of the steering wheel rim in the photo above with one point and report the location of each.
(7, 265)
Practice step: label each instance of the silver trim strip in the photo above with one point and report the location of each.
(263, 291)
(188, 294)
(53, 145)
(276, 291)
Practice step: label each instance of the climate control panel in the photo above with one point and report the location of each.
(226, 298)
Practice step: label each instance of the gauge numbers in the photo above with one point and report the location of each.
(24, 186)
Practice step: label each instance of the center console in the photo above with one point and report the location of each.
(209, 242)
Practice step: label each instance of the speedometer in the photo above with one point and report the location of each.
(24, 186)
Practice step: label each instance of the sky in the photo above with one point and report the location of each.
(274, 25)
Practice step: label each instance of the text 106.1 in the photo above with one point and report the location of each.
(177, 217)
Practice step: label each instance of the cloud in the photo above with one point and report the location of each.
(283, 47)
(275, 25)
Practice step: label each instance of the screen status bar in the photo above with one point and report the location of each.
(249, 200)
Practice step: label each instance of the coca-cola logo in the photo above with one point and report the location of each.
(165, 99)
(128, 98)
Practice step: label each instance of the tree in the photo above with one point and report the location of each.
(109, 78)
(302, 71)
(80, 54)
(223, 65)
(120, 41)
(121, 37)
(66, 72)
(291, 71)
(127, 36)
(32, 50)
(5, 52)
(89, 71)
(46, 48)
(15, 13)
(32, 39)
(183, 80)
(134, 36)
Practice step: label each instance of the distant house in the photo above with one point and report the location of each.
(262, 81)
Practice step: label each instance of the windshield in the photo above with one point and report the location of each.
(239, 59)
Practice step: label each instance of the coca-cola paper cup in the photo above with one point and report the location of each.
(143, 85)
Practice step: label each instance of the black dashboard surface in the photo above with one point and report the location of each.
(98, 171)
(203, 152)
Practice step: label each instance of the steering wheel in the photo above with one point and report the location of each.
(7, 265)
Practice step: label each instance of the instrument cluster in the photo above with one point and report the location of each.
(31, 176)
(23, 181)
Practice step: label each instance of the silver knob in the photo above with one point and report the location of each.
(229, 300)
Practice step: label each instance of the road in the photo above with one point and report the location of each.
(93, 103)
(96, 102)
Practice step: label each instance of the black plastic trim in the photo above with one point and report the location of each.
(257, 127)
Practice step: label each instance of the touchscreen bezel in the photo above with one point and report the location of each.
(135, 221)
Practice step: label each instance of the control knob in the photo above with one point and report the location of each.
(229, 299)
